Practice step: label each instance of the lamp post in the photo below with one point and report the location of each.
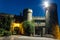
(47, 14)
(51, 18)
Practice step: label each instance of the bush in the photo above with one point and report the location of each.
(4, 32)
(28, 27)
(7, 33)
(1, 32)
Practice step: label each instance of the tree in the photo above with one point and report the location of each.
(5, 22)
(28, 28)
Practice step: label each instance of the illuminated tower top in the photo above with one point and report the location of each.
(27, 13)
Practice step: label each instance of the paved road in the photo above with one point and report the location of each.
(25, 38)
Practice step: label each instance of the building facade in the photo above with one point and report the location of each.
(40, 25)
(43, 25)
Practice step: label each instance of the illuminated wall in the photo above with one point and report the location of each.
(19, 25)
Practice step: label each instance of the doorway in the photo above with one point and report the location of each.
(16, 30)
(38, 31)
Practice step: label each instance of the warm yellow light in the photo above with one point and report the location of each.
(16, 24)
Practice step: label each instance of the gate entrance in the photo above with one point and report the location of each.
(16, 30)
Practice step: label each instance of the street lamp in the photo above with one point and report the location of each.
(46, 4)
(47, 14)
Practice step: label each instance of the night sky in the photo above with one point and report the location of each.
(17, 6)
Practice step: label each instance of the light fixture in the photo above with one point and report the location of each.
(46, 4)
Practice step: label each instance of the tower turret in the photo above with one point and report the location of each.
(27, 14)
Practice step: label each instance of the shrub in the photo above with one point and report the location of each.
(28, 27)
(7, 33)
(1, 31)
(4, 32)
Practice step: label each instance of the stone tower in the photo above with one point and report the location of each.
(27, 14)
